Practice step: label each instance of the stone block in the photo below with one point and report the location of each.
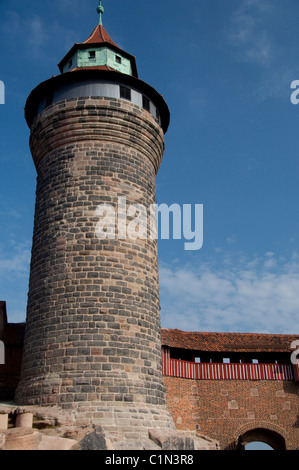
(2, 441)
(3, 421)
(233, 405)
(171, 440)
(22, 439)
(94, 440)
(57, 443)
(24, 420)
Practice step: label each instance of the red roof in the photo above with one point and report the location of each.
(99, 35)
(96, 67)
(227, 342)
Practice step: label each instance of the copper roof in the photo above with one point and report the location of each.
(227, 342)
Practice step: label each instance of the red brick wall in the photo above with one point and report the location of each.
(225, 409)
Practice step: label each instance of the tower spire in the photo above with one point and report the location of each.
(100, 10)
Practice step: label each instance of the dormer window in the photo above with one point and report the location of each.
(92, 55)
(118, 59)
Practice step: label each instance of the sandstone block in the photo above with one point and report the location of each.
(170, 440)
(24, 420)
(22, 439)
(3, 421)
(56, 443)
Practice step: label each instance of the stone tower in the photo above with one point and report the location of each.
(92, 341)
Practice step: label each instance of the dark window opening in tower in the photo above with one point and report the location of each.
(125, 92)
(145, 103)
(49, 98)
(158, 118)
(70, 63)
(118, 59)
(92, 55)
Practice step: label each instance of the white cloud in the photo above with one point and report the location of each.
(14, 277)
(248, 33)
(15, 261)
(30, 30)
(36, 34)
(277, 84)
(6, 210)
(260, 295)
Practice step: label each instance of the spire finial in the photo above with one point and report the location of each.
(100, 11)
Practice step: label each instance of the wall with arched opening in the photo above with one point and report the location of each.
(224, 410)
(263, 435)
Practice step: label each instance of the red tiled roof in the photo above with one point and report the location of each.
(97, 67)
(99, 35)
(227, 342)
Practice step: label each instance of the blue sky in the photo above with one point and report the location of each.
(225, 69)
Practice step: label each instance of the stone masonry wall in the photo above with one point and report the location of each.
(92, 341)
(226, 409)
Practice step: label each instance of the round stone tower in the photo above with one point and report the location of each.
(92, 341)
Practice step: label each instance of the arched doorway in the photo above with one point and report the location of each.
(258, 445)
(261, 435)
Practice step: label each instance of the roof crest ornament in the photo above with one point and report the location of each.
(100, 10)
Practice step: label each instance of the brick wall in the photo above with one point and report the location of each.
(92, 341)
(226, 409)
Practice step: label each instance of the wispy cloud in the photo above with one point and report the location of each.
(38, 34)
(15, 261)
(277, 83)
(7, 210)
(31, 30)
(14, 277)
(35, 33)
(248, 34)
(258, 295)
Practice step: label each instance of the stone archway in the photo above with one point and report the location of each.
(267, 436)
